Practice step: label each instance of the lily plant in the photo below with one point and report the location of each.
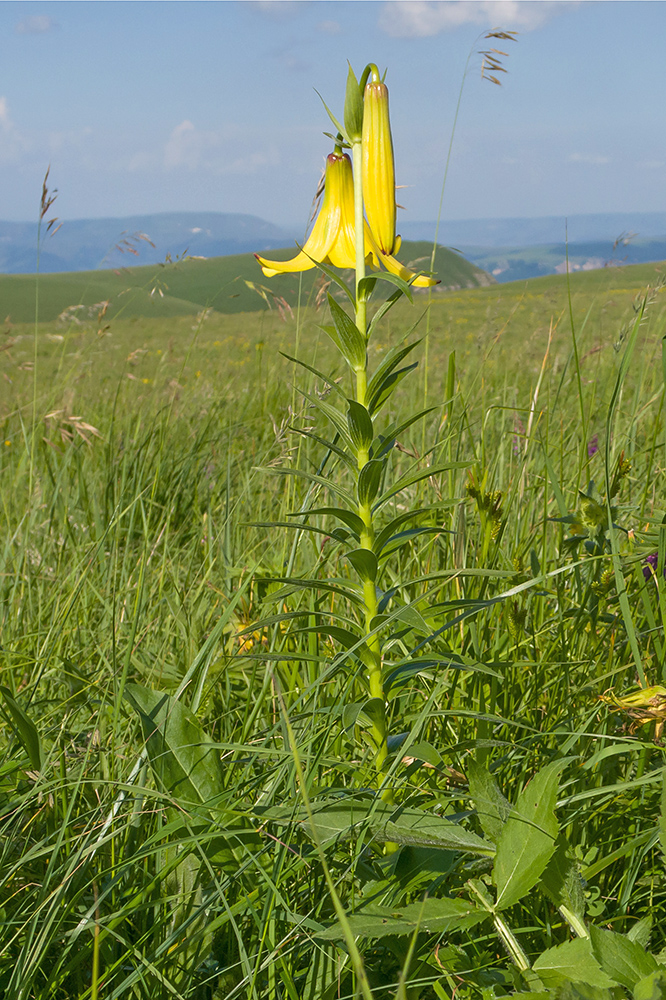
(356, 229)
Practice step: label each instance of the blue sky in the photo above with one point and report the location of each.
(169, 106)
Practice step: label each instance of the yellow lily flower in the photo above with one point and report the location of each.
(332, 238)
(378, 166)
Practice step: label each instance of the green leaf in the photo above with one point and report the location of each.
(383, 309)
(369, 479)
(652, 987)
(341, 817)
(527, 841)
(393, 431)
(337, 418)
(24, 729)
(662, 815)
(387, 387)
(347, 517)
(183, 758)
(410, 478)
(422, 829)
(353, 113)
(425, 752)
(432, 916)
(333, 386)
(562, 882)
(350, 339)
(491, 806)
(365, 563)
(626, 961)
(574, 962)
(360, 426)
(388, 364)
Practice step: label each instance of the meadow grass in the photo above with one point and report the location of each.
(139, 467)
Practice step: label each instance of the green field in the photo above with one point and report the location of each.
(174, 695)
(185, 287)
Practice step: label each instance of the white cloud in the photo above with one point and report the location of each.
(36, 24)
(330, 27)
(12, 143)
(592, 158)
(652, 164)
(424, 18)
(278, 9)
(232, 151)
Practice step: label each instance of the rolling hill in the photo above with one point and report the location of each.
(228, 284)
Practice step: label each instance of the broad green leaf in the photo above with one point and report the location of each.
(626, 961)
(24, 729)
(432, 916)
(425, 752)
(527, 840)
(423, 829)
(364, 562)
(350, 339)
(574, 962)
(652, 987)
(491, 806)
(182, 756)
(360, 426)
(340, 817)
(368, 481)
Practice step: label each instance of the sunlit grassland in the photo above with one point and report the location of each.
(137, 458)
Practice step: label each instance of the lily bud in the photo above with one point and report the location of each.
(378, 167)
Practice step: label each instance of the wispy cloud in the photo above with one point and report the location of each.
(223, 152)
(13, 143)
(277, 9)
(424, 18)
(594, 159)
(36, 24)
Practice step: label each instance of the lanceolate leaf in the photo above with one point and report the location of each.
(392, 432)
(350, 340)
(359, 421)
(347, 517)
(527, 841)
(333, 386)
(25, 729)
(389, 363)
(410, 479)
(368, 481)
(183, 758)
(432, 916)
(364, 562)
(386, 387)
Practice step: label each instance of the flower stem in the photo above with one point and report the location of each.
(375, 684)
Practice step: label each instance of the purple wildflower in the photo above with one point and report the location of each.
(593, 446)
(652, 559)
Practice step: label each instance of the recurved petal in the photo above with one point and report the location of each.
(395, 267)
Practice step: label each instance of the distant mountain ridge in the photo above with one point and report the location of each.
(88, 244)
(509, 249)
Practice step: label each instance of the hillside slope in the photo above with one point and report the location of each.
(188, 286)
